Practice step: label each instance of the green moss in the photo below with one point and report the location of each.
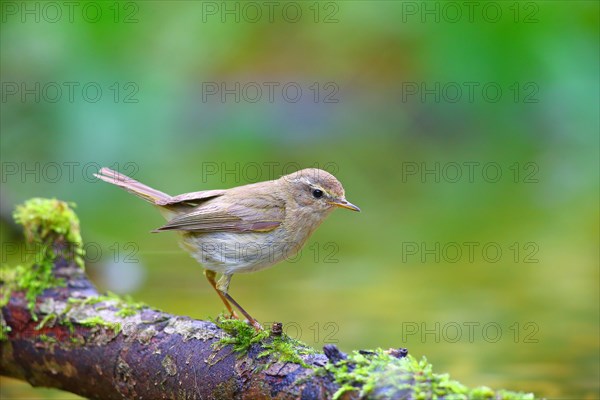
(126, 307)
(47, 339)
(46, 222)
(7, 281)
(49, 319)
(285, 349)
(77, 340)
(380, 375)
(242, 336)
(126, 312)
(51, 225)
(32, 279)
(97, 321)
(4, 328)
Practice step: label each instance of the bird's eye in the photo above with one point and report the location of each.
(317, 193)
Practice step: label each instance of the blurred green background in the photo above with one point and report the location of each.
(400, 100)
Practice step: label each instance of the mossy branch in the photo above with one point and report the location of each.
(58, 331)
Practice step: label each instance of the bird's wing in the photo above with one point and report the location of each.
(193, 198)
(244, 216)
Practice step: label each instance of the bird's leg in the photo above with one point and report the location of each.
(210, 276)
(222, 287)
(252, 321)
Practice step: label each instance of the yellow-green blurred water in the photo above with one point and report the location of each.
(515, 172)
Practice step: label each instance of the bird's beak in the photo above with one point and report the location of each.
(343, 203)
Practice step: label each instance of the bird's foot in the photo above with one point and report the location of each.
(252, 322)
(257, 327)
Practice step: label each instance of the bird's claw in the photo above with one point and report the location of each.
(257, 327)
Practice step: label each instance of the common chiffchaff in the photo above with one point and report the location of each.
(245, 228)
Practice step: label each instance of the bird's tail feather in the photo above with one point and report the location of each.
(131, 185)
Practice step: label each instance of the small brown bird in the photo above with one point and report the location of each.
(245, 228)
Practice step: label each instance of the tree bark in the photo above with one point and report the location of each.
(147, 355)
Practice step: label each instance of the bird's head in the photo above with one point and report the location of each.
(318, 190)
